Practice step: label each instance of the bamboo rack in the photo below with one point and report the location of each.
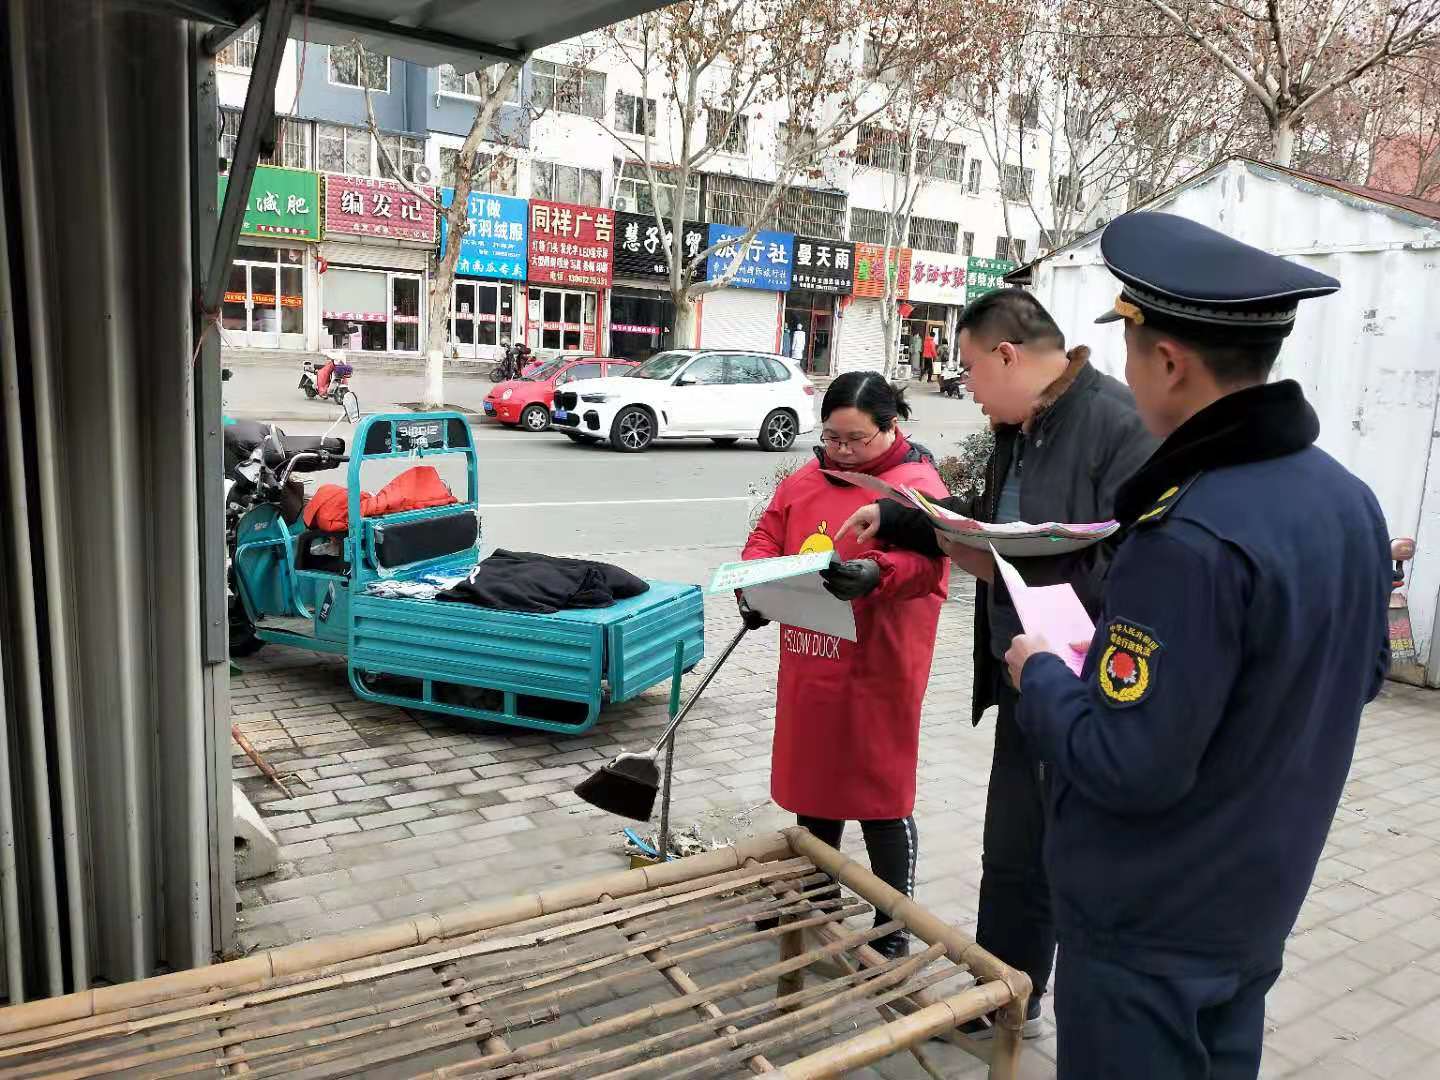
(742, 961)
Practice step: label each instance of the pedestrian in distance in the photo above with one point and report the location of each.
(847, 713)
(1066, 437)
(916, 350)
(1198, 759)
(928, 351)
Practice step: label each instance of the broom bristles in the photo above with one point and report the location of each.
(626, 787)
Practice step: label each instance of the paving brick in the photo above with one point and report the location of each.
(335, 783)
(316, 832)
(444, 779)
(311, 885)
(363, 810)
(386, 818)
(402, 772)
(368, 838)
(303, 802)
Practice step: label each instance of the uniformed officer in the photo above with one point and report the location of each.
(1199, 758)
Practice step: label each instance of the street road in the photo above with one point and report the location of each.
(684, 504)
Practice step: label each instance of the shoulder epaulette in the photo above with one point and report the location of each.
(1167, 502)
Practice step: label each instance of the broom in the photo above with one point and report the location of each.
(628, 784)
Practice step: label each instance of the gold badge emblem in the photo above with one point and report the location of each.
(1126, 672)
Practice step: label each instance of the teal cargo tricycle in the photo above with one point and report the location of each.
(343, 593)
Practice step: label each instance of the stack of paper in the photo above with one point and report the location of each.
(1017, 539)
(1053, 612)
(789, 590)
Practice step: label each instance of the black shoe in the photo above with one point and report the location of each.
(893, 946)
(982, 1027)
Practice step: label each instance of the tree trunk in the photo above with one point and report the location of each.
(685, 335)
(1282, 140)
(437, 324)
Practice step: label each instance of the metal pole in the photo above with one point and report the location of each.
(675, 676)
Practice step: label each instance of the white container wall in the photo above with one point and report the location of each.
(1367, 357)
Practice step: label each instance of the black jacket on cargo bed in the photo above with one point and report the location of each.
(1084, 440)
(543, 584)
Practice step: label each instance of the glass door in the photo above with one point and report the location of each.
(817, 349)
(264, 306)
(292, 304)
(405, 313)
(464, 312)
(567, 320)
(571, 326)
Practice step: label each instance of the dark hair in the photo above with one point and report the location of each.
(1243, 363)
(871, 393)
(1011, 315)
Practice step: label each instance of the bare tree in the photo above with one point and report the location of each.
(1291, 56)
(709, 68)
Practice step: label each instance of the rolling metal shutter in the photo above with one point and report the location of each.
(374, 256)
(861, 345)
(740, 319)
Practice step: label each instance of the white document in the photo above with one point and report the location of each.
(789, 590)
(1052, 611)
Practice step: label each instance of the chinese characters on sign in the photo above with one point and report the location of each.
(494, 242)
(871, 268)
(283, 204)
(937, 278)
(640, 247)
(985, 275)
(826, 266)
(571, 245)
(358, 206)
(767, 262)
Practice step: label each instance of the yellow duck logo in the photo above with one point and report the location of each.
(817, 541)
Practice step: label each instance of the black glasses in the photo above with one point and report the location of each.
(835, 442)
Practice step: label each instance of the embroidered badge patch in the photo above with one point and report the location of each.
(1127, 668)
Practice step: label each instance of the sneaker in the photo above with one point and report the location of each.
(892, 946)
(981, 1028)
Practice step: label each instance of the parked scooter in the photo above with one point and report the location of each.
(516, 359)
(259, 462)
(330, 380)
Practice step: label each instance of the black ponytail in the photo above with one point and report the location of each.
(871, 393)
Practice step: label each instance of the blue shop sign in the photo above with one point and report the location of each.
(769, 258)
(494, 243)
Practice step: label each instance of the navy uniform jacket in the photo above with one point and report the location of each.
(1199, 759)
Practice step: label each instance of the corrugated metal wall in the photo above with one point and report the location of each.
(110, 866)
(741, 319)
(1368, 357)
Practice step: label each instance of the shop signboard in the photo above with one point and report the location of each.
(571, 245)
(284, 204)
(938, 278)
(361, 206)
(494, 242)
(826, 266)
(640, 249)
(871, 267)
(768, 261)
(985, 275)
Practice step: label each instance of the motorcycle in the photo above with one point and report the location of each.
(516, 359)
(260, 463)
(330, 380)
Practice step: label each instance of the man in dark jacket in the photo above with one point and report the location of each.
(1066, 437)
(1198, 760)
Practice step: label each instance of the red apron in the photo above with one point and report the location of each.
(847, 714)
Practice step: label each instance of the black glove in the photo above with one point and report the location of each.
(852, 579)
(752, 619)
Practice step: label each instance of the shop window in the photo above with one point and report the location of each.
(345, 68)
(477, 84)
(727, 132)
(568, 89)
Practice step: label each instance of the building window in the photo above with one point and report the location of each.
(345, 68)
(872, 58)
(494, 175)
(634, 115)
(810, 212)
(942, 160)
(292, 142)
(404, 152)
(868, 226)
(477, 84)
(565, 183)
(798, 144)
(724, 136)
(635, 193)
(1141, 191)
(1025, 110)
(1016, 182)
(240, 53)
(972, 180)
(1069, 191)
(1007, 247)
(967, 244)
(933, 234)
(229, 135)
(569, 89)
(879, 148)
(1077, 124)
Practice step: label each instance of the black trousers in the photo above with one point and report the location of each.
(1115, 1021)
(893, 846)
(1015, 921)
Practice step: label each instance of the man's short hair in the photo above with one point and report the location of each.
(1243, 363)
(1011, 315)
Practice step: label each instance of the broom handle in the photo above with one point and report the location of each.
(704, 682)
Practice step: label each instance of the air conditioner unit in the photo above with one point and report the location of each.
(420, 173)
(623, 203)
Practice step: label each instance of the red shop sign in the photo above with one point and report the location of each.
(571, 245)
(360, 206)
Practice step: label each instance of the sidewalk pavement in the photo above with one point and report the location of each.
(397, 814)
(271, 391)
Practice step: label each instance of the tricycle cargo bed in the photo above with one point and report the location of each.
(551, 672)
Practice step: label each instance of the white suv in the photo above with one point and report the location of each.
(720, 394)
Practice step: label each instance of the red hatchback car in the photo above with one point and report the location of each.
(527, 401)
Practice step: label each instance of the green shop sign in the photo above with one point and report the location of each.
(985, 275)
(284, 204)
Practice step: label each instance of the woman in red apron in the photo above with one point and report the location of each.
(847, 714)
